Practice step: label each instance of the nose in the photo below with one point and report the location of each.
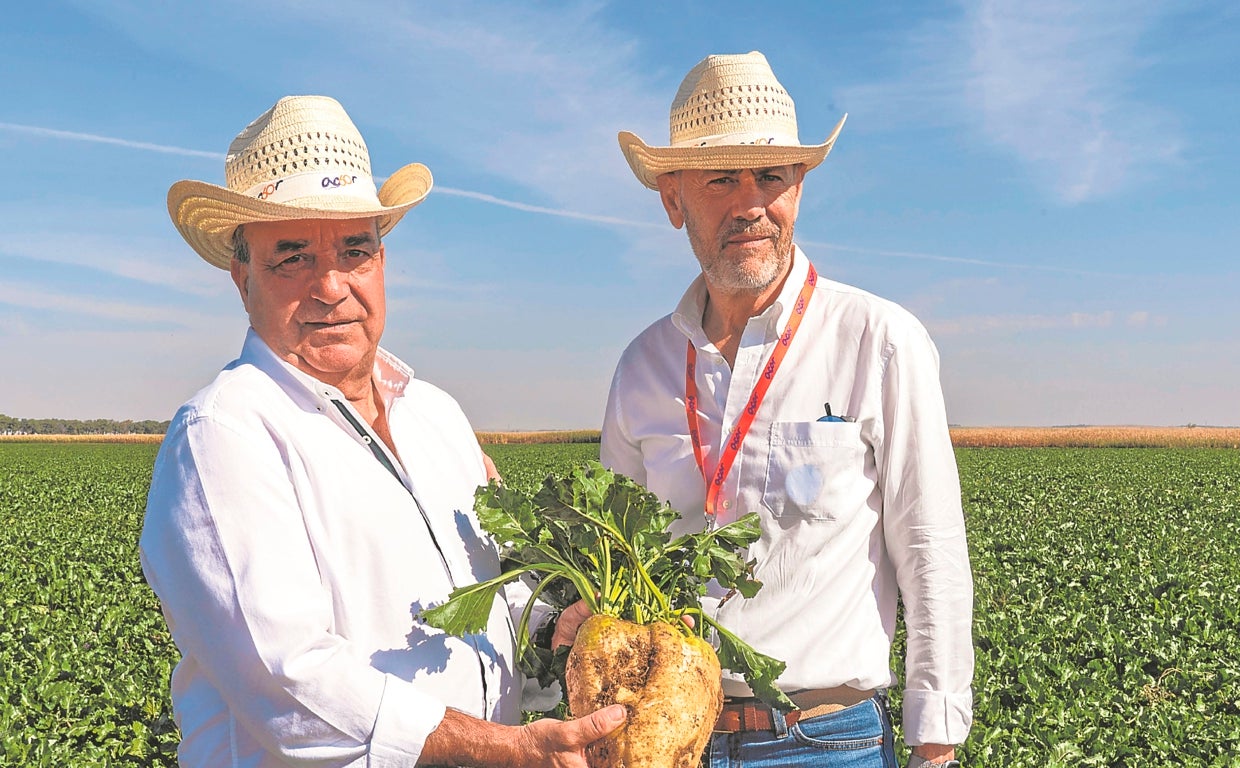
(748, 200)
(330, 284)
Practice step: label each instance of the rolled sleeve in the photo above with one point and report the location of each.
(406, 719)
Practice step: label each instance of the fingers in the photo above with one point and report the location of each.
(570, 621)
(558, 744)
(492, 472)
(597, 724)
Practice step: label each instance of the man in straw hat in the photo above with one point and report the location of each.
(309, 502)
(774, 390)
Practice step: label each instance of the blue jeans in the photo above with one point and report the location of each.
(857, 737)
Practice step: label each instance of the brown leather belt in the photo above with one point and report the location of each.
(750, 714)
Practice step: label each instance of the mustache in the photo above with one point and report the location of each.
(766, 229)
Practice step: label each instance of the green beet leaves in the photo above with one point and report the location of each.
(599, 536)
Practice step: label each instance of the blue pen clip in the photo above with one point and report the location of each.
(829, 417)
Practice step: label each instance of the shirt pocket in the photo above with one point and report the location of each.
(813, 469)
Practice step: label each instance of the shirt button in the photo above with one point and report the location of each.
(727, 504)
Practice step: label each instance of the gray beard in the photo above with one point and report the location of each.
(728, 275)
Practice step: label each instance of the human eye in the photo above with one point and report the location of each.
(291, 263)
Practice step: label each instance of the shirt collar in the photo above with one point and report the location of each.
(391, 375)
(688, 314)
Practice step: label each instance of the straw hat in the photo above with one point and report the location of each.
(302, 159)
(729, 113)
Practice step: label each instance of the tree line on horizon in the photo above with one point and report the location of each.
(11, 425)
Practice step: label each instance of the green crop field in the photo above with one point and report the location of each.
(1107, 605)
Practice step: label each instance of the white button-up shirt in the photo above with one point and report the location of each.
(852, 512)
(291, 564)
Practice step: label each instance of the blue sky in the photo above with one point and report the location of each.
(1051, 187)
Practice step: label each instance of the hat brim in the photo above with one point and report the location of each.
(206, 215)
(648, 162)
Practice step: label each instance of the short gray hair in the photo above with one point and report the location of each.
(241, 248)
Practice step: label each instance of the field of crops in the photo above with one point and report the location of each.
(1107, 580)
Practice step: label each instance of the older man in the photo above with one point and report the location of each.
(773, 390)
(314, 498)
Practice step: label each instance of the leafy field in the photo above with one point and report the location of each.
(84, 653)
(1107, 580)
(1107, 606)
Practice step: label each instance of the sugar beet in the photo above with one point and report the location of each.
(668, 682)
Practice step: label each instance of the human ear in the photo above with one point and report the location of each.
(669, 193)
(240, 271)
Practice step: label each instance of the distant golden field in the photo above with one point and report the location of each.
(525, 438)
(962, 437)
(81, 438)
(1096, 437)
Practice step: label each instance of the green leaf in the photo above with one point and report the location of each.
(760, 671)
(608, 536)
(466, 610)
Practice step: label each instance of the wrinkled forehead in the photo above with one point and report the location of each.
(320, 232)
(791, 169)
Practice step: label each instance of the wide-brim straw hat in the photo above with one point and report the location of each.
(301, 159)
(730, 113)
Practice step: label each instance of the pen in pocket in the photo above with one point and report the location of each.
(832, 417)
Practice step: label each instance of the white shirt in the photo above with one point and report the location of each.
(852, 512)
(290, 564)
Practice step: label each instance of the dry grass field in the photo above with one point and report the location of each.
(962, 437)
(527, 438)
(1096, 437)
(133, 439)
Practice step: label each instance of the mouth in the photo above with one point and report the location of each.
(743, 240)
(751, 234)
(327, 324)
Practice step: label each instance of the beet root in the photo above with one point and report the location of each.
(668, 682)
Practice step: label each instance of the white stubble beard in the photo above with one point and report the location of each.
(731, 276)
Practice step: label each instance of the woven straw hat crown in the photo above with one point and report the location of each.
(730, 112)
(302, 159)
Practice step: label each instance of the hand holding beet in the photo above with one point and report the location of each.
(601, 538)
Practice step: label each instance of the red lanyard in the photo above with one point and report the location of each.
(733, 445)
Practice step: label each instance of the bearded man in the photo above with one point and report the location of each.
(774, 390)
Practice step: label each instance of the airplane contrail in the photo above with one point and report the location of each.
(97, 139)
(35, 130)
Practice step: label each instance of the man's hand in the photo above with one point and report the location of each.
(933, 753)
(562, 744)
(569, 622)
(574, 616)
(492, 472)
(464, 740)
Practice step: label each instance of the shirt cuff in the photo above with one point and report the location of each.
(406, 717)
(934, 717)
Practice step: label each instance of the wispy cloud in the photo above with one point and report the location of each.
(1055, 83)
(982, 324)
(142, 259)
(1052, 82)
(29, 296)
(484, 197)
(55, 133)
(158, 272)
(510, 91)
(531, 96)
(561, 212)
(955, 259)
